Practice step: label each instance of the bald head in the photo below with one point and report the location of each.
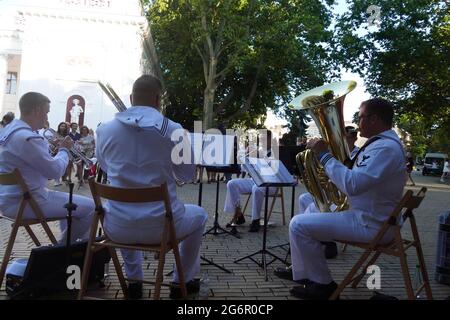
(147, 91)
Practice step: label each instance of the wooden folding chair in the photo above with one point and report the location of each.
(397, 247)
(168, 238)
(15, 178)
(279, 194)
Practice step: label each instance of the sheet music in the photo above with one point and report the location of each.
(213, 149)
(266, 172)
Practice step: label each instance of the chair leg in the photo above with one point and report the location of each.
(159, 275)
(364, 271)
(119, 272)
(423, 268)
(88, 259)
(42, 221)
(272, 204)
(86, 271)
(7, 255)
(246, 203)
(32, 236)
(344, 247)
(406, 276)
(404, 266)
(350, 275)
(283, 215)
(179, 266)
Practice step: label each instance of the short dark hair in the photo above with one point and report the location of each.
(145, 87)
(7, 118)
(84, 128)
(350, 130)
(73, 123)
(30, 101)
(382, 108)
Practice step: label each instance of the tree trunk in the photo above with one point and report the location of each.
(208, 108)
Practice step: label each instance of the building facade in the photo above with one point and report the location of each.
(62, 48)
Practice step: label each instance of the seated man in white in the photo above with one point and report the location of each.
(306, 202)
(23, 149)
(135, 150)
(237, 187)
(374, 185)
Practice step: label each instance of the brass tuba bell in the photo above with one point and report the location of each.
(325, 105)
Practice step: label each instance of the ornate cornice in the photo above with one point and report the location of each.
(87, 17)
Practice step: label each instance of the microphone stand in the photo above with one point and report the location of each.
(70, 206)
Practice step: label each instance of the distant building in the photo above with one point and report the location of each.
(61, 48)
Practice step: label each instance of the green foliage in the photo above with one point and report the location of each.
(297, 126)
(406, 60)
(268, 52)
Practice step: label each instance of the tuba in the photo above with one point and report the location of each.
(325, 105)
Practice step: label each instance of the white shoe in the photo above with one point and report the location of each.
(57, 184)
(442, 180)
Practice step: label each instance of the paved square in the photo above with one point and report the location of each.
(247, 280)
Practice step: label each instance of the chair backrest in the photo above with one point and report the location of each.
(13, 178)
(134, 195)
(407, 204)
(131, 195)
(402, 211)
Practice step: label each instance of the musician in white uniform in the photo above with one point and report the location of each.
(305, 200)
(374, 186)
(23, 148)
(135, 150)
(237, 187)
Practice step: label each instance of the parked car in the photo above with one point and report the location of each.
(434, 163)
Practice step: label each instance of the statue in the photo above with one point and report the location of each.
(75, 111)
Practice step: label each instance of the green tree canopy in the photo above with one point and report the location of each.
(229, 61)
(406, 59)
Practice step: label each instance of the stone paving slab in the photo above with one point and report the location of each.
(247, 279)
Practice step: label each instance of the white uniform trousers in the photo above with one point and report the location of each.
(236, 187)
(306, 203)
(192, 223)
(308, 230)
(53, 207)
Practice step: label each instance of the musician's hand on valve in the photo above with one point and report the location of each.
(66, 143)
(317, 145)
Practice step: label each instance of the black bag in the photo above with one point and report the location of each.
(45, 273)
(380, 296)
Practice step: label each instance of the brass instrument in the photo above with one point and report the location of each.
(325, 105)
(77, 155)
(115, 99)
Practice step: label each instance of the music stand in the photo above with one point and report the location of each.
(287, 155)
(216, 229)
(282, 180)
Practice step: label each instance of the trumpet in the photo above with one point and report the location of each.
(78, 156)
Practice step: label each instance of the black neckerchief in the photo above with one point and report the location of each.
(368, 142)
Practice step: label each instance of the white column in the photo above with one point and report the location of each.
(3, 73)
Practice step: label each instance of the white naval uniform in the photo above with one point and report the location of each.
(135, 150)
(306, 202)
(374, 187)
(27, 151)
(237, 187)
